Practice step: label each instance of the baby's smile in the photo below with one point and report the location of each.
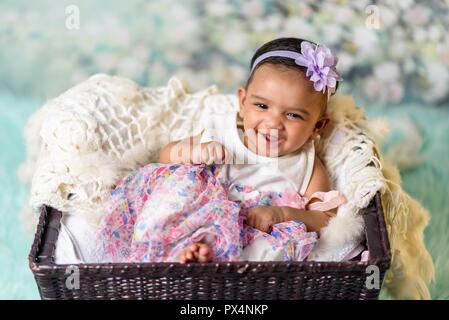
(264, 142)
(272, 136)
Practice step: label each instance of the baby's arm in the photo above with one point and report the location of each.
(319, 182)
(313, 219)
(264, 217)
(190, 150)
(182, 153)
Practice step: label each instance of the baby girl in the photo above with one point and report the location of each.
(269, 143)
(249, 186)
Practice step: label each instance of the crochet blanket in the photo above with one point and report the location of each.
(82, 142)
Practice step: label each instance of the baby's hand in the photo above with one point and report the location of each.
(264, 217)
(208, 153)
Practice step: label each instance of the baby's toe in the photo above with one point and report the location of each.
(205, 253)
(183, 256)
(204, 250)
(190, 255)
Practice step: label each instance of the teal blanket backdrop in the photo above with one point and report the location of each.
(394, 58)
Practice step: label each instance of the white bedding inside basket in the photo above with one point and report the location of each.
(76, 244)
(76, 241)
(102, 129)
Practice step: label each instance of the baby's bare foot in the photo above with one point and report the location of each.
(196, 252)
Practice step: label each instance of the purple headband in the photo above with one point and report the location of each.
(318, 59)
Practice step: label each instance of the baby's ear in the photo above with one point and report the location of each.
(322, 123)
(241, 94)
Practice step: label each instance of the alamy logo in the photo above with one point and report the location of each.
(72, 21)
(72, 282)
(260, 144)
(373, 19)
(373, 279)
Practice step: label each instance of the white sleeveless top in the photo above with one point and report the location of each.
(288, 172)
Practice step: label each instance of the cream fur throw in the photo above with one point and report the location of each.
(82, 142)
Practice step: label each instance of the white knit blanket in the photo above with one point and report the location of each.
(82, 142)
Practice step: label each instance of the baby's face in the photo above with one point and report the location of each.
(280, 110)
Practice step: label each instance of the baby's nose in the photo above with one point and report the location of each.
(274, 123)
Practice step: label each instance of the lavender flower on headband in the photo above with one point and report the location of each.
(320, 65)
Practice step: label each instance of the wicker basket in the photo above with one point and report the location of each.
(235, 280)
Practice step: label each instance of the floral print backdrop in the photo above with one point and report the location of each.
(389, 51)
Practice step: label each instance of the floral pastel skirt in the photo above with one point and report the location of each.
(160, 209)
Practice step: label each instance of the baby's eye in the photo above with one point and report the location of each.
(261, 106)
(294, 116)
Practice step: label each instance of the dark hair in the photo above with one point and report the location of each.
(291, 44)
